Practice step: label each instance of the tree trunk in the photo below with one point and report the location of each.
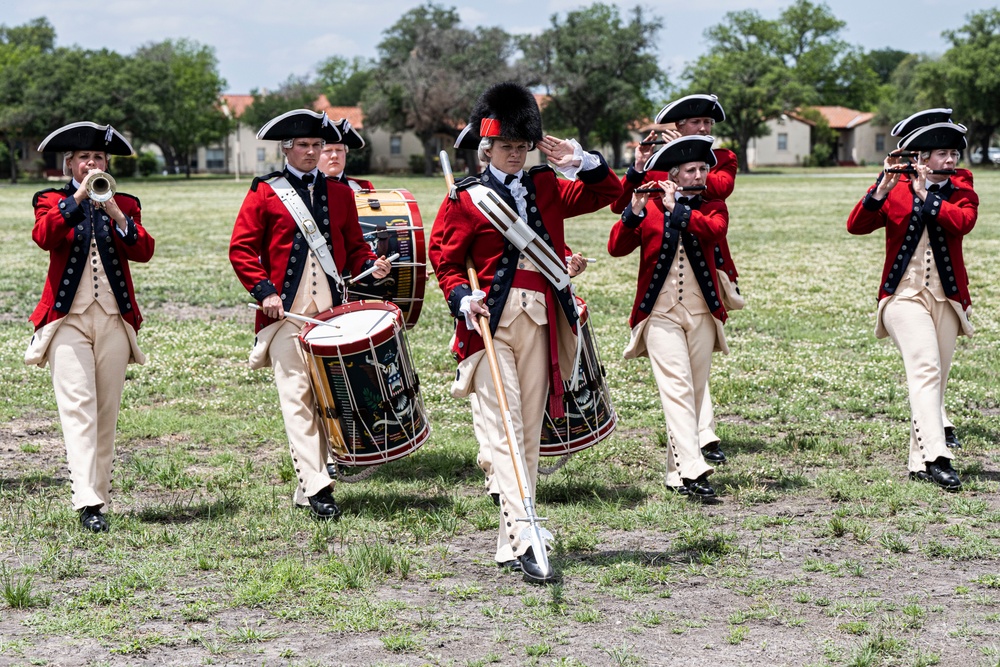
(616, 153)
(12, 156)
(430, 153)
(740, 148)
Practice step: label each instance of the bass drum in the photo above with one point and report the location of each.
(391, 223)
(590, 416)
(366, 388)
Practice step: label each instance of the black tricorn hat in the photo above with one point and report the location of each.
(935, 135)
(507, 110)
(920, 119)
(692, 106)
(86, 136)
(348, 135)
(301, 123)
(694, 148)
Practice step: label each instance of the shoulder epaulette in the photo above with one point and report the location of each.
(132, 197)
(539, 168)
(467, 182)
(263, 179)
(38, 195)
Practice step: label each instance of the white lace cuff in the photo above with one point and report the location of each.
(587, 161)
(466, 306)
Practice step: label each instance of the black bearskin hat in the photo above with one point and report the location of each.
(507, 110)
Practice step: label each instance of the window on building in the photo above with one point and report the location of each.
(880, 142)
(215, 158)
(782, 141)
(395, 145)
(261, 154)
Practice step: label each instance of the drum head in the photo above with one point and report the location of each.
(351, 327)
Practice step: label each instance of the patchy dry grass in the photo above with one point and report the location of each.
(820, 553)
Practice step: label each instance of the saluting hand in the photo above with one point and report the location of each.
(558, 151)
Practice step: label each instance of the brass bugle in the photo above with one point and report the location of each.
(101, 186)
(911, 170)
(690, 188)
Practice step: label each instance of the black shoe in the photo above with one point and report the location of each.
(92, 519)
(510, 565)
(323, 505)
(496, 499)
(941, 473)
(699, 488)
(679, 490)
(532, 571)
(713, 452)
(950, 438)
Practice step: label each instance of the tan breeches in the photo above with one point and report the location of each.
(306, 440)
(523, 355)
(926, 332)
(88, 356)
(680, 347)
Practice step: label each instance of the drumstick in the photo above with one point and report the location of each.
(591, 260)
(364, 274)
(300, 318)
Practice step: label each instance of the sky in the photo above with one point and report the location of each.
(260, 44)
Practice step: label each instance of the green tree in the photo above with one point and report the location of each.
(760, 68)
(885, 61)
(967, 77)
(295, 93)
(343, 81)
(599, 71)
(19, 45)
(834, 72)
(743, 68)
(177, 87)
(430, 72)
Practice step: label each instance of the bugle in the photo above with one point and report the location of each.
(101, 186)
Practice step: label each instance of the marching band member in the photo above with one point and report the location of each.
(677, 323)
(695, 115)
(533, 323)
(901, 129)
(87, 319)
(926, 209)
(294, 236)
(333, 159)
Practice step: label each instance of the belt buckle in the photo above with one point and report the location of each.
(310, 227)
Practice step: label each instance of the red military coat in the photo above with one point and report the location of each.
(361, 183)
(269, 253)
(658, 235)
(719, 185)
(948, 215)
(64, 229)
(461, 231)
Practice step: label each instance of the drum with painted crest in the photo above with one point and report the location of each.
(590, 416)
(391, 223)
(367, 390)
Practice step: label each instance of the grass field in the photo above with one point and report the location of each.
(820, 553)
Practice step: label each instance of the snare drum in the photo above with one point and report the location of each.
(590, 417)
(391, 223)
(366, 389)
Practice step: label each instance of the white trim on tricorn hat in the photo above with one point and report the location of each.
(348, 135)
(86, 136)
(935, 135)
(301, 123)
(920, 119)
(693, 148)
(692, 106)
